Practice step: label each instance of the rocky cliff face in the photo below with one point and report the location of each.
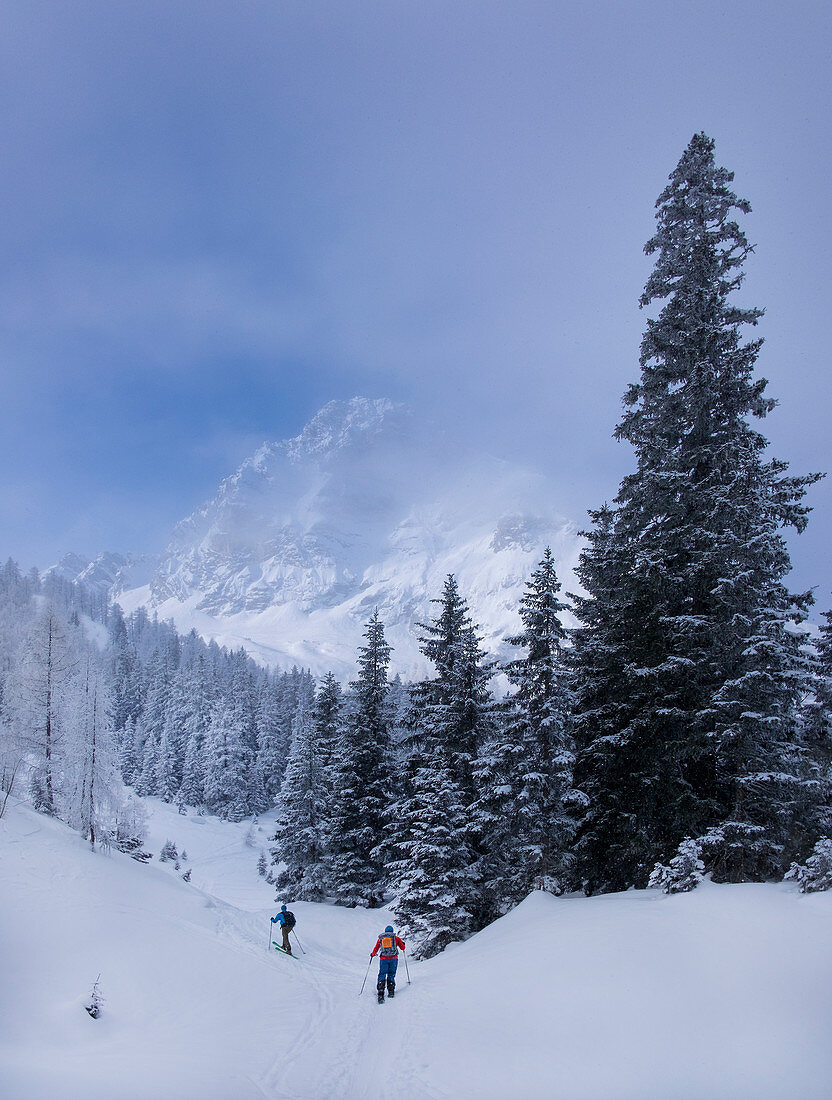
(299, 522)
(363, 509)
(109, 574)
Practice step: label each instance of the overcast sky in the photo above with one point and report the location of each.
(218, 216)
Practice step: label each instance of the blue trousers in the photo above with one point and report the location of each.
(387, 969)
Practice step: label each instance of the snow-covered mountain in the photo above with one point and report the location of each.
(365, 508)
(109, 573)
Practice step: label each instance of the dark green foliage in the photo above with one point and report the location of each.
(689, 727)
(437, 837)
(525, 770)
(361, 773)
(299, 848)
(818, 732)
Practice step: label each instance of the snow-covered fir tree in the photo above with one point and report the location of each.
(816, 874)
(228, 760)
(151, 723)
(525, 771)
(437, 837)
(299, 848)
(198, 698)
(124, 685)
(361, 776)
(327, 718)
(275, 713)
(436, 874)
(231, 745)
(697, 733)
(611, 841)
(457, 703)
(818, 730)
(683, 873)
(173, 742)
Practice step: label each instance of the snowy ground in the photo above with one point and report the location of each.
(723, 993)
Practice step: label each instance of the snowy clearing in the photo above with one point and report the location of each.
(718, 993)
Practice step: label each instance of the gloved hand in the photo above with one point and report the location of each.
(272, 920)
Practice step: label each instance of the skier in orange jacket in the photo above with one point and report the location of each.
(387, 947)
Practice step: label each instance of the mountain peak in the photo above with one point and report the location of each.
(340, 424)
(366, 507)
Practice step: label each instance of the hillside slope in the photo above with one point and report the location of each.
(720, 993)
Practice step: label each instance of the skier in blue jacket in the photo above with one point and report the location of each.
(286, 920)
(387, 947)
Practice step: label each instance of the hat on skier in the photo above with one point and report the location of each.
(389, 928)
(283, 908)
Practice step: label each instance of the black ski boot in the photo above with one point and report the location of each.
(380, 988)
(391, 988)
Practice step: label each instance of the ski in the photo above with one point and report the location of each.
(283, 950)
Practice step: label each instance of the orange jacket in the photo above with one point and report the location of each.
(391, 953)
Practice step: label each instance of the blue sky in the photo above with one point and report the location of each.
(219, 216)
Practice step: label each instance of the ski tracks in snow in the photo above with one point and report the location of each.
(348, 1047)
(330, 1043)
(362, 1050)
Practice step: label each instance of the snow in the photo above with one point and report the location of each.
(722, 992)
(360, 511)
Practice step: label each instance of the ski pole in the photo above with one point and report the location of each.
(366, 972)
(269, 944)
(300, 945)
(406, 968)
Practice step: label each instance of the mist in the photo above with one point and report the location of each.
(220, 219)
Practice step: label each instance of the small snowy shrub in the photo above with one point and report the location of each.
(683, 873)
(168, 852)
(96, 1000)
(816, 873)
(187, 875)
(262, 866)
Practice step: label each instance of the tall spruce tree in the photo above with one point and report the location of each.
(818, 730)
(438, 835)
(150, 725)
(199, 693)
(698, 733)
(526, 769)
(457, 703)
(361, 801)
(327, 718)
(229, 755)
(299, 849)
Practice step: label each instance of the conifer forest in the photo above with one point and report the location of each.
(671, 718)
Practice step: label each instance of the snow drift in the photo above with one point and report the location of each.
(720, 993)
